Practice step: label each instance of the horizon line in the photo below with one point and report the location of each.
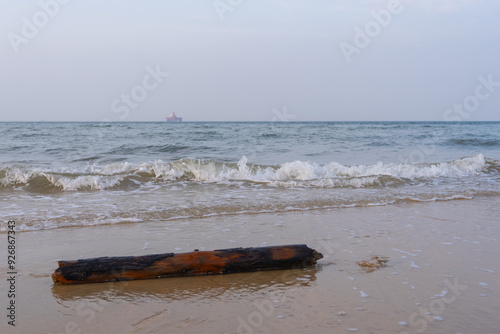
(350, 121)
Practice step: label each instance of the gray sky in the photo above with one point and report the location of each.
(242, 60)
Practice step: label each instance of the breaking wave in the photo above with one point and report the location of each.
(300, 174)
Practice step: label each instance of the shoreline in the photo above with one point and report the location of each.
(443, 259)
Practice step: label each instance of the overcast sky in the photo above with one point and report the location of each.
(249, 60)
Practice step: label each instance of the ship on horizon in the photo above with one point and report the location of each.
(174, 118)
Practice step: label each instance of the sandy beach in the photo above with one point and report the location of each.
(441, 275)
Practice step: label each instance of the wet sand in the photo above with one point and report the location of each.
(442, 274)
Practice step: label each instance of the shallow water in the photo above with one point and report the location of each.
(55, 175)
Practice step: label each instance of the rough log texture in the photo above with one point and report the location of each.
(221, 261)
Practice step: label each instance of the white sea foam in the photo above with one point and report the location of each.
(404, 252)
(487, 270)
(414, 265)
(290, 174)
(54, 224)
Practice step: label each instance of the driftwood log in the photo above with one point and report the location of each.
(221, 261)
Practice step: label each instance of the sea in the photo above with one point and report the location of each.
(80, 174)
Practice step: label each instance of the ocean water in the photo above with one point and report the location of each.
(55, 175)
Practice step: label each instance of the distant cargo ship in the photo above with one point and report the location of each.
(173, 118)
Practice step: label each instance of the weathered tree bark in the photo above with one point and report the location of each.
(222, 261)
